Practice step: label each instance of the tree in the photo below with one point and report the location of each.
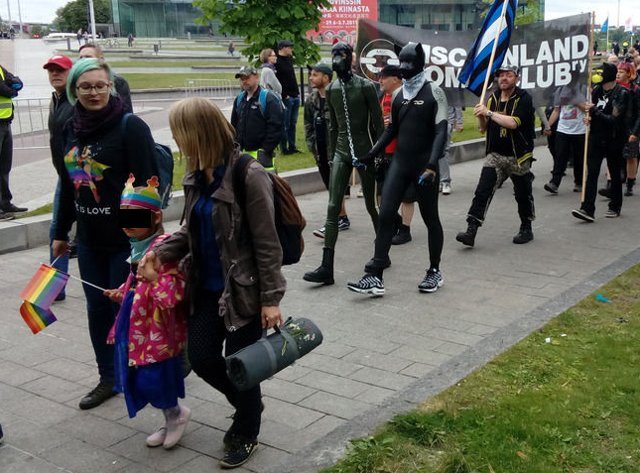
(264, 22)
(75, 14)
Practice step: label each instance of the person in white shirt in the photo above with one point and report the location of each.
(569, 107)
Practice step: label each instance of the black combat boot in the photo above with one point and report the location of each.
(469, 237)
(525, 235)
(324, 273)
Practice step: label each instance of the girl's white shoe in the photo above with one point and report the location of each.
(157, 438)
(176, 427)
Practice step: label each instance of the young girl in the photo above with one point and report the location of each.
(150, 330)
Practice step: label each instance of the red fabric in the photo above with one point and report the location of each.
(385, 103)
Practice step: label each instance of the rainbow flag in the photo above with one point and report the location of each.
(36, 317)
(44, 287)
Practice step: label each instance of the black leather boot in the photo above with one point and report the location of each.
(324, 273)
(630, 184)
(525, 235)
(468, 237)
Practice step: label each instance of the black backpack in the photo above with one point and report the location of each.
(289, 219)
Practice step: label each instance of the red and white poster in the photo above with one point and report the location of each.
(341, 20)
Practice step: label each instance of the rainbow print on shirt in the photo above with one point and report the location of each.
(84, 170)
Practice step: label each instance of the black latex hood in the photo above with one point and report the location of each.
(609, 72)
(341, 58)
(412, 60)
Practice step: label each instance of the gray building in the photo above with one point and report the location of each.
(158, 18)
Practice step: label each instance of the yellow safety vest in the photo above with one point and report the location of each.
(254, 155)
(6, 104)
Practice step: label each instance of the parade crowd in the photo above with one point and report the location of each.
(182, 301)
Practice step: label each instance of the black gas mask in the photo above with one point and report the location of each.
(412, 60)
(341, 58)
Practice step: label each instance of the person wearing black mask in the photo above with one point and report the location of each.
(290, 96)
(606, 115)
(355, 123)
(419, 122)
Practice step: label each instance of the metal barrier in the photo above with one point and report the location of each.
(219, 89)
(29, 126)
(30, 118)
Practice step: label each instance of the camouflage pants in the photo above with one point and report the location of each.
(496, 169)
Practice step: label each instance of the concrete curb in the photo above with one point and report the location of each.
(31, 232)
(329, 449)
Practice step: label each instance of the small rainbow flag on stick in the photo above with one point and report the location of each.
(44, 286)
(38, 296)
(36, 317)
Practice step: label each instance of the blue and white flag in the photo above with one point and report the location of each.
(476, 66)
(605, 26)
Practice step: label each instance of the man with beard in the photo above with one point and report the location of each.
(419, 122)
(508, 120)
(354, 126)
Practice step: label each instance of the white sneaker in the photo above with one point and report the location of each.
(368, 284)
(446, 188)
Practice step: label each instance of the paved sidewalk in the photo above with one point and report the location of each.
(379, 355)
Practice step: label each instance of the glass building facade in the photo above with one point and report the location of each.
(158, 18)
(444, 15)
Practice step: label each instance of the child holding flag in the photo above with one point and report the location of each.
(150, 330)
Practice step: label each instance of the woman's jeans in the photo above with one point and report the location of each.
(207, 333)
(107, 269)
(62, 264)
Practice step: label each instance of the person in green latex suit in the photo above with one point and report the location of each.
(355, 125)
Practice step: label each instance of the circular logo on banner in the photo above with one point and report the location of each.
(375, 55)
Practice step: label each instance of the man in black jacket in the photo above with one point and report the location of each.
(290, 96)
(606, 115)
(508, 120)
(60, 111)
(9, 87)
(257, 118)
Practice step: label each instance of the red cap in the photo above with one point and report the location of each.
(59, 60)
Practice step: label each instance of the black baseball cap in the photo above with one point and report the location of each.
(390, 71)
(285, 43)
(324, 68)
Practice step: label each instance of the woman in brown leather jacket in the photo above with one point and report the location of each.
(232, 258)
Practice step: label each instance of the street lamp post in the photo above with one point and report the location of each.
(20, 17)
(92, 18)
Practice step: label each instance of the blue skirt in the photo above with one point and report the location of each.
(159, 384)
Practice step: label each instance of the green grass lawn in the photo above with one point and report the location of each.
(168, 63)
(570, 405)
(139, 81)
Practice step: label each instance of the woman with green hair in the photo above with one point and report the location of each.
(103, 145)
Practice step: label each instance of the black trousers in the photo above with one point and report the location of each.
(207, 333)
(6, 161)
(568, 148)
(612, 152)
(495, 171)
(397, 180)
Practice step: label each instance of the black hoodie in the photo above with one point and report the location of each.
(112, 154)
(287, 77)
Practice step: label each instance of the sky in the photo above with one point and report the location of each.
(44, 10)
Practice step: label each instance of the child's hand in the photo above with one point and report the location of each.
(114, 294)
(148, 267)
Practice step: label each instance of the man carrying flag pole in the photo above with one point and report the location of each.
(508, 120)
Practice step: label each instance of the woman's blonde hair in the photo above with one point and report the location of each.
(202, 133)
(264, 55)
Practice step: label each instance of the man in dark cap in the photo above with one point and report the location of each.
(356, 122)
(290, 96)
(606, 114)
(508, 120)
(316, 130)
(257, 118)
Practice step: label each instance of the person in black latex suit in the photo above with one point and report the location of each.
(419, 122)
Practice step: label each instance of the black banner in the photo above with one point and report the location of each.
(550, 54)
